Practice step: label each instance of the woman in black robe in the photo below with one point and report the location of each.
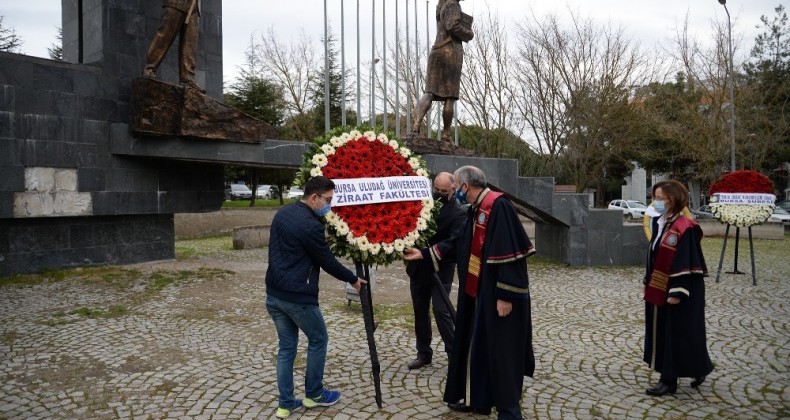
(675, 340)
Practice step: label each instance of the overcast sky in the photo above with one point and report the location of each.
(650, 22)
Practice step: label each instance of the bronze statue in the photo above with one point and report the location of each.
(443, 80)
(178, 17)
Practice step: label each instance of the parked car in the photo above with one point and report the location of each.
(703, 213)
(238, 192)
(295, 192)
(632, 209)
(780, 215)
(267, 192)
(785, 204)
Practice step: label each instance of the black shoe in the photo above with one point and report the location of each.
(698, 381)
(418, 363)
(459, 407)
(463, 408)
(661, 389)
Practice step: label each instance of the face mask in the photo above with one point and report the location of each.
(321, 212)
(441, 198)
(658, 205)
(460, 195)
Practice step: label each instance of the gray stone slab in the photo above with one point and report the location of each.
(500, 172)
(12, 177)
(537, 191)
(551, 241)
(571, 208)
(7, 98)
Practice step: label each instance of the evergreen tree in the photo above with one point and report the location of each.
(336, 94)
(9, 40)
(56, 48)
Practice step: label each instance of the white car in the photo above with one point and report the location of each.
(265, 192)
(632, 209)
(295, 192)
(780, 215)
(238, 192)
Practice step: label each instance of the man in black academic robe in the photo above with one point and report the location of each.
(493, 335)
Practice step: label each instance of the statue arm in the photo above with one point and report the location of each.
(454, 25)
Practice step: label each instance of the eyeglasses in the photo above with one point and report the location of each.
(442, 192)
(327, 199)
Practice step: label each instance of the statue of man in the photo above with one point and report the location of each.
(443, 80)
(178, 17)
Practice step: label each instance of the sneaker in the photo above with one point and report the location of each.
(326, 398)
(283, 413)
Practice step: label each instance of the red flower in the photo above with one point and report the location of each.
(742, 182)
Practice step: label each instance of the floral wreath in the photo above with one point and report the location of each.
(370, 233)
(743, 182)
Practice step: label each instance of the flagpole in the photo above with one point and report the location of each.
(359, 74)
(397, 71)
(408, 72)
(429, 119)
(343, 60)
(384, 51)
(416, 53)
(373, 66)
(326, 70)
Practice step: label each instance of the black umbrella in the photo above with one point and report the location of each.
(363, 271)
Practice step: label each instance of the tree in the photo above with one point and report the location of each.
(337, 99)
(55, 49)
(9, 40)
(574, 89)
(765, 97)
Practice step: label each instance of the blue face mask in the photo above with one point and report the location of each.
(460, 196)
(658, 205)
(321, 212)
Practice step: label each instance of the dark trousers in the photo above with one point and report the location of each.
(172, 24)
(423, 291)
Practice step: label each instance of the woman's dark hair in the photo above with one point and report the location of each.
(318, 185)
(676, 192)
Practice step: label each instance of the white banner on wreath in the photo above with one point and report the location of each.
(358, 191)
(743, 199)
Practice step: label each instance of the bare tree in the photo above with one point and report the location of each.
(574, 90)
(292, 66)
(9, 40)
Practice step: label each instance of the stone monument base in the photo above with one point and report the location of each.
(424, 145)
(164, 109)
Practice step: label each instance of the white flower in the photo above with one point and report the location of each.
(427, 204)
(354, 134)
(388, 248)
(342, 228)
(421, 172)
(414, 162)
(319, 160)
(383, 138)
(399, 245)
(425, 213)
(375, 249)
(421, 224)
(328, 149)
(404, 152)
(741, 215)
(394, 145)
(316, 172)
(370, 135)
(336, 142)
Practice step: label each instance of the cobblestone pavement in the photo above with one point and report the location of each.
(190, 339)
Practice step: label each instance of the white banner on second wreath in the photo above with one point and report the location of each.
(357, 191)
(743, 199)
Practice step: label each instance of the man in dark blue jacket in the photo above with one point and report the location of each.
(297, 252)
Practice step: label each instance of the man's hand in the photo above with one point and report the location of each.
(503, 307)
(673, 300)
(360, 281)
(412, 254)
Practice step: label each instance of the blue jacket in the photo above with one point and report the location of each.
(297, 251)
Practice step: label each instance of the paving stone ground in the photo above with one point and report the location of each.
(190, 338)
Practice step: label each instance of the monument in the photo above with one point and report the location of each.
(443, 75)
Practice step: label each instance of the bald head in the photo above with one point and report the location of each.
(443, 181)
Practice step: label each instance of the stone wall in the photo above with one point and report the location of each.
(65, 198)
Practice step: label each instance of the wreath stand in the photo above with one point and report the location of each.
(724, 247)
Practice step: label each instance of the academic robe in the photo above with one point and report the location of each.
(675, 340)
(497, 350)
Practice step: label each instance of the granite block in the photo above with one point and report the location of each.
(577, 245)
(10, 151)
(7, 125)
(91, 179)
(42, 127)
(12, 178)
(537, 191)
(5, 241)
(49, 234)
(7, 98)
(45, 102)
(6, 204)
